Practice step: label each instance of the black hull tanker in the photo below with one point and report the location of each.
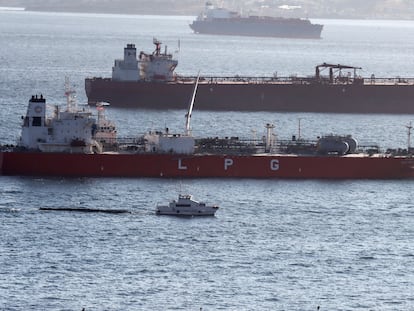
(243, 96)
(149, 81)
(219, 21)
(259, 27)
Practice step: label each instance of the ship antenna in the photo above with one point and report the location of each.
(190, 106)
(178, 47)
(70, 96)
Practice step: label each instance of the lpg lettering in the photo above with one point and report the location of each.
(227, 163)
(274, 165)
(181, 166)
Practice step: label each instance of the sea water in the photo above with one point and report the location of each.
(273, 245)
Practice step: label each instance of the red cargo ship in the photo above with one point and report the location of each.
(150, 82)
(72, 143)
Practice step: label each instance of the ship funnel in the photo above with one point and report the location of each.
(34, 127)
(190, 106)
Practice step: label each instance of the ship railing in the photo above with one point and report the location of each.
(296, 80)
(296, 146)
(400, 151)
(389, 81)
(130, 140)
(261, 80)
(123, 144)
(368, 148)
(245, 80)
(228, 145)
(372, 149)
(7, 147)
(246, 145)
(290, 80)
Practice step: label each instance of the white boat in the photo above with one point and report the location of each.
(186, 206)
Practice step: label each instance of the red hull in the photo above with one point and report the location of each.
(204, 166)
(234, 96)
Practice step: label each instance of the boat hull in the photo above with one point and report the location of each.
(250, 96)
(258, 28)
(182, 212)
(205, 166)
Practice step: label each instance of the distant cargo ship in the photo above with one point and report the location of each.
(72, 143)
(219, 21)
(149, 81)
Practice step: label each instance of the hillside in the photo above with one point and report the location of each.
(367, 9)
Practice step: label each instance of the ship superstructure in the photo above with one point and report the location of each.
(158, 66)
(72, 129)
(69, 130)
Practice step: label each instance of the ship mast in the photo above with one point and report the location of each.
(409, 128)
(269, 137)
(70, 97)
(100, 107)
(190, 107)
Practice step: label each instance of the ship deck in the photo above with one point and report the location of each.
(242, 80)
(278, 154)
(293, 80)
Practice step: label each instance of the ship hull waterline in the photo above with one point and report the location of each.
(245, 27)
(279, 97)
(205, 166)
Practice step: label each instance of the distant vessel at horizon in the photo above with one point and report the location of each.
(220, 21)
(12, 8)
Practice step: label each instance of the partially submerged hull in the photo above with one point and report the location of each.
(386, 98)
(222, 21)
(206, 166)
(184, 213)
(259, 27)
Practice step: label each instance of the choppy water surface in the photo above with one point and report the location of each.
(273, 245)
